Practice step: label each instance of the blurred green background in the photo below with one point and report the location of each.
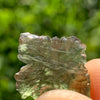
(49, 17)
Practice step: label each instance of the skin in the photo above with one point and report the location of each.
(93, 67)
(62, 95)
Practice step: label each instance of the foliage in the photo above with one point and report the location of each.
(49, 17)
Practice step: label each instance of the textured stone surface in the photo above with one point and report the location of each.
(52, 63)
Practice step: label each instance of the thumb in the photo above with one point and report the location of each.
(93, 67)
(62, 94)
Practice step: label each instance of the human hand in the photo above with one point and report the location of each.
(62, 95)
(93, 68)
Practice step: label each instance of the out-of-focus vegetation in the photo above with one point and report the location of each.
(49, 17)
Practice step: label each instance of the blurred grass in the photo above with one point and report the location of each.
(49, 17)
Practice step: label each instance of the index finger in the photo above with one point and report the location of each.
(93, 67)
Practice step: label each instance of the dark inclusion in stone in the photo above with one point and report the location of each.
(51, 63)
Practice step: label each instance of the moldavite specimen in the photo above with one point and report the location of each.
(52, 63)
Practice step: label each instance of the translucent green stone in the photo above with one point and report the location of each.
(51, 63)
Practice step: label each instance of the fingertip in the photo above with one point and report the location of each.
(93, 67)
(62, 95)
